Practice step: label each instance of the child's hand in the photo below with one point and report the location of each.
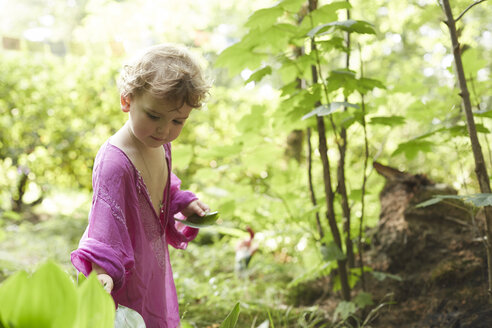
(106, 281)
(196, 207)
(103, 278)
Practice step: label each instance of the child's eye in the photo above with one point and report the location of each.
(152, 117)
(177, 122)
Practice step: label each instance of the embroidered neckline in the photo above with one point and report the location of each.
(141, 183)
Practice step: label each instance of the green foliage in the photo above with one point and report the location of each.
(54, 116)
(231, 320)
(478, 200)
(49, 298)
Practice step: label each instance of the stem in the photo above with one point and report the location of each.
(468, 8)
(311, 188)
(364, 181)
(342, 185)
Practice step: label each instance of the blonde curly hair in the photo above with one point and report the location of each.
(167, 72)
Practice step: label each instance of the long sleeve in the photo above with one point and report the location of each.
(106, 241)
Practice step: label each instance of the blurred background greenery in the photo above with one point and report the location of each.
(59, 103)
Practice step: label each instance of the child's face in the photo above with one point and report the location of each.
(154, 122)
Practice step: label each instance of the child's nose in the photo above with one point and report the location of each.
(163, 129)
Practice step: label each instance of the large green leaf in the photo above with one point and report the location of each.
(291, 5)
(264, 18)
(241, 55)
(95, 307)
(323, 14)
(231, 319)
(483, 113)
(350, 25)
(331, 252)
(11, 291)
(46, 299)
(394, 120)
(411, 148)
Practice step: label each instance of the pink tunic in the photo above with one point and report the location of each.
(127, 238)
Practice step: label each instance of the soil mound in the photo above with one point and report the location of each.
(436, 251)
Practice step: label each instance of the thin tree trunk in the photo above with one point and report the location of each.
(480, 168)
(342, 186)
(311, 188)
(330, 196)
(364, 181)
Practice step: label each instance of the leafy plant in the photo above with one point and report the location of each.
(49, 298)
(231, 320)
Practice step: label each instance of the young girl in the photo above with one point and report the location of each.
(136, 196)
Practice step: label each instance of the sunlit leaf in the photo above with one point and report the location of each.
(331, 252)
(46, 299)
(323, 14)
(473, 60)
(411, 148)
(291, 5)
(231, 319)
(365, 84)
(324, 110)
(387, 120)
(95, 305)
(350, 25)
(12, 292)
(345, 309)
(483, 113)
(331, 44)
(264, 18)
(259, 74)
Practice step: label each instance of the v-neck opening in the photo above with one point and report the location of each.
(142, 181)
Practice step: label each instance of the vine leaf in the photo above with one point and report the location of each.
(259, 74)
(478, 200)
(350, 25)
(327, 110)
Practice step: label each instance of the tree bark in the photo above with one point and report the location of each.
(480, 168)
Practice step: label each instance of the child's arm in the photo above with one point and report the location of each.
(103, 277)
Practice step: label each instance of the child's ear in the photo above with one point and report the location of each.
(125, 103)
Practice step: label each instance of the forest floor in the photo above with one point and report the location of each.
(436, 252)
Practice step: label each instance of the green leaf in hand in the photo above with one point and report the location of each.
(197, 221)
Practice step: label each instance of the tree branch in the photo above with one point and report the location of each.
(468, 8)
